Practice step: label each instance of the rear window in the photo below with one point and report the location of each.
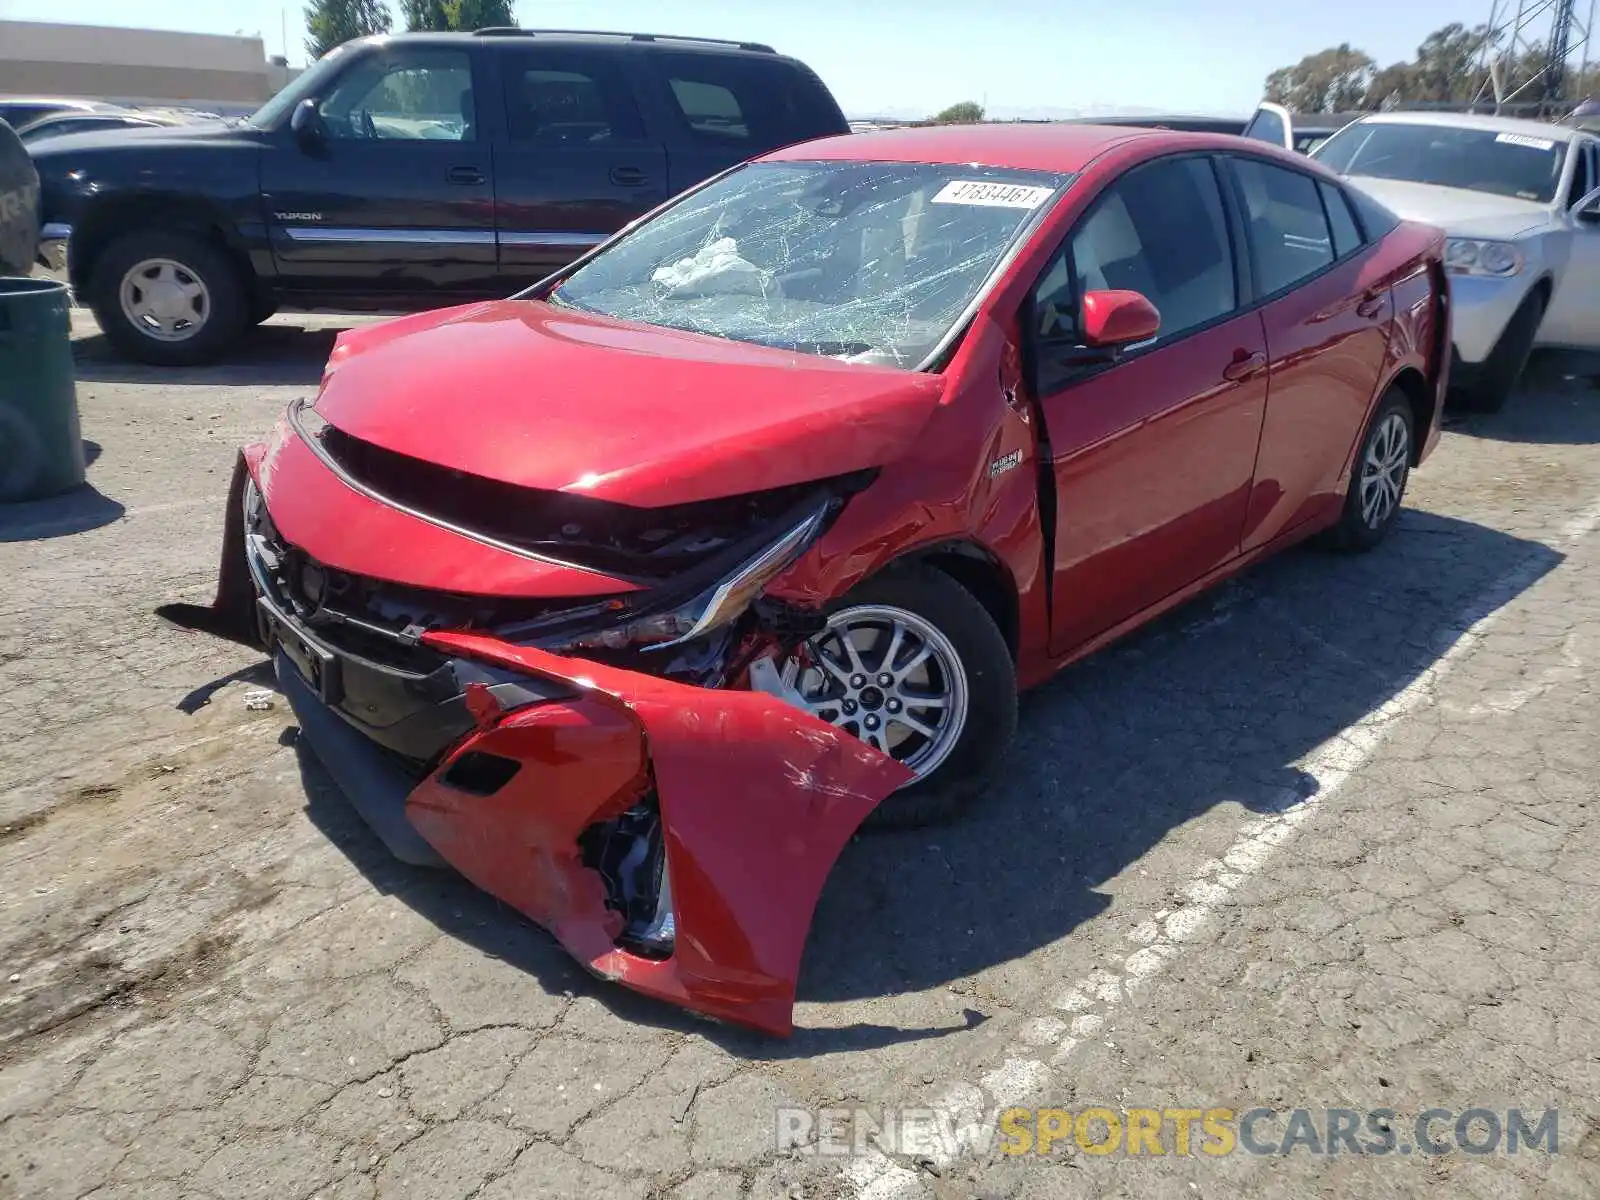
(746, 102)
(1346, 236)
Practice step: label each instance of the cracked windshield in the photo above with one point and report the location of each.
(872, 262)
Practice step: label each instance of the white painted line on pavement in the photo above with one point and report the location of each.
(1087, 1004)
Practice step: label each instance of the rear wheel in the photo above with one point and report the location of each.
(168, 298)
(912, 664)
(1503, 367)
(1378, 482)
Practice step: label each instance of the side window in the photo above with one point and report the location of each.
(1161, 231)
(739, 101)
(1346, 236)
(413, 95)
(564, 99)
(1288, 230)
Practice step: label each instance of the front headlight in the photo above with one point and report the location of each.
(717, 605)
(1470, 256)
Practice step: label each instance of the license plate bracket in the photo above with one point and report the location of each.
(319, 666)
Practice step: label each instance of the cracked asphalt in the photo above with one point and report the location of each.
(1325, 838)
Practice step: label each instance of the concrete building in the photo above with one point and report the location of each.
(137, 66)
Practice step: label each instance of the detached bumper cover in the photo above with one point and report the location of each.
(757, 799)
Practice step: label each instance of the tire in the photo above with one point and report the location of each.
(982, 686)
(1359, 528)
(1501, 370)
(180, 260)
(262, 309)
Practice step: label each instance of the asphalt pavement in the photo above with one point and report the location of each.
(1325, 840)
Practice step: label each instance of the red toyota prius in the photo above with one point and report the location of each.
(632, 597)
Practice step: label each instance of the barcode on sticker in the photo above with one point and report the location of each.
(991, 195)
(1522, 139)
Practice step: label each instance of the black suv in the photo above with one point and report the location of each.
(407, 172)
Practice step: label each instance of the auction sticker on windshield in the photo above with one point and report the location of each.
(991, 195)
(1522, 139)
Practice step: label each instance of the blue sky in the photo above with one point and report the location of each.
(912, 57)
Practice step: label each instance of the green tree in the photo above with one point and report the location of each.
(482, 14)
(1446, 66)
(1332, 80)
(426, 16)
(968, 112)
(331, 23)
(463, 15)
(1388, 87)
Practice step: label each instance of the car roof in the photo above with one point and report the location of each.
(1492, 124)
(515, 37)
(64, 103)
(1054, 147)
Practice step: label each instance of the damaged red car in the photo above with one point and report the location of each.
(633, 596)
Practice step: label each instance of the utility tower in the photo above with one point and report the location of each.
(1546, 32)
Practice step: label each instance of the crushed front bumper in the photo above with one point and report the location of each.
(506, 760)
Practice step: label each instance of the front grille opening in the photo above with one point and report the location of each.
(480, 774)
(629, 854)
(644, 545)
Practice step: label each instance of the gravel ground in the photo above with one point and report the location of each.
(1325, 838)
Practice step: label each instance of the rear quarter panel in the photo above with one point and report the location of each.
(1420, 338)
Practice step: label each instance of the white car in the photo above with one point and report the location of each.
(1520, 201)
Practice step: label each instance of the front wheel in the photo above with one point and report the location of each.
(912, 664)
(1504, 366)
(1378, 481)
(167, 298)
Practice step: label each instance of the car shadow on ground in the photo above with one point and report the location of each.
(273, 355)
(1214, 705)
(1557, 403)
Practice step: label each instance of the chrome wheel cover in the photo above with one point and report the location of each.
(890, 678)
(164, 300)
(1384, 468)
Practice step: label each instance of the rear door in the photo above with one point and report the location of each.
(1152, 454)
(396, 196)
(723, 107)
(578, 161)
(1272, 123)
(1328, 312)
(1573, 318)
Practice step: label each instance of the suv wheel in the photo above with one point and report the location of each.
(912, 664)
(167, 298)
(1501, 370)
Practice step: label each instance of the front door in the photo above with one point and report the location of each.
(1573, 318)
(395, 193)
(1153, 455)
(578, 162)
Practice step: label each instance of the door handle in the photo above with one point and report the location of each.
(464, 175)
(1245, 364)
(629, 177)
(1371, 305)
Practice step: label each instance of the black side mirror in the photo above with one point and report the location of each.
(306, 123)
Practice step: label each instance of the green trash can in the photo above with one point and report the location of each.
(41, 447)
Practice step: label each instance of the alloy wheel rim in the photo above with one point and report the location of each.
(165, 300)
(888, 677)
(1383, 470)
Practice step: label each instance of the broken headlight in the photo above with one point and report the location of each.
(718, 604)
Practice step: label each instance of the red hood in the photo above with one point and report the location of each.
(546, 398)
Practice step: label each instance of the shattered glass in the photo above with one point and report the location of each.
(870, 262)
